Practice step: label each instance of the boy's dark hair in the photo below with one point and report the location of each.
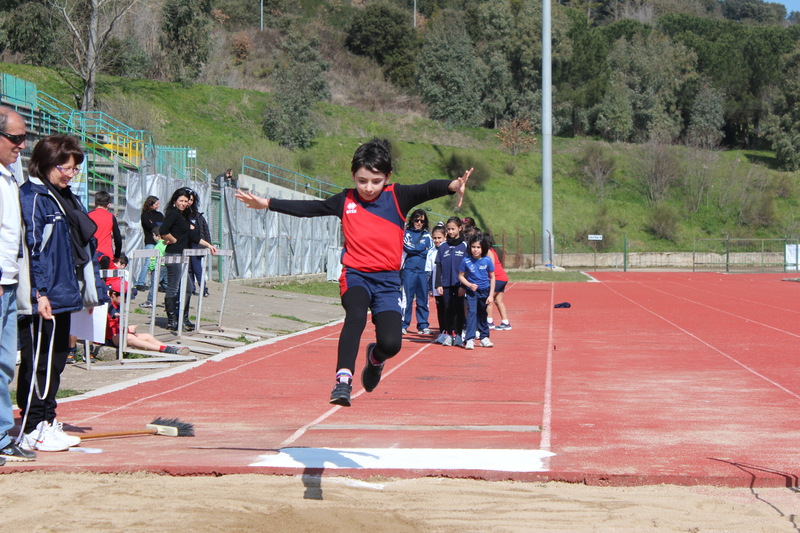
(123, 259)
(478, 237)
(102, 199)
(375, 155)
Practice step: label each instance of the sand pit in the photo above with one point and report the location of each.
(293, 504)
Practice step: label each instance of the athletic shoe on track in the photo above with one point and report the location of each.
(371, 375)
(486, 343)
(405, 331)
(441, 338)
(12, 452)
(340, 395)
(448, 341)
(43, 439)
(470, 345)
(458, 342)
(491, 325)
(425, 331)
(503, 326)
(58, 430)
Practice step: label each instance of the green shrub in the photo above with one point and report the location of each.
(663, 222)
(458, 163)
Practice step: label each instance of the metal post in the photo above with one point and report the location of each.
(624, 253)
(727, 253)
(547, 136)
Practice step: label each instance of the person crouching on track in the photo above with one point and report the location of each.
(373, 220)
(476, 273)
(139, 341)
(64, 278)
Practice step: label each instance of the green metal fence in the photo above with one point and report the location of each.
(745, 255)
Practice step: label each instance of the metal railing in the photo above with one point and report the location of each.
(288, 178)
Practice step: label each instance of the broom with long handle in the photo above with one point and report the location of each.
(170, 427)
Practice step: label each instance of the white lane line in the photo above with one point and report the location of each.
(219, 357)
(408, 459)
(547, 410)
(701, 341)
(716, 309)
(419, 427)
(731, 297)
(301, 431)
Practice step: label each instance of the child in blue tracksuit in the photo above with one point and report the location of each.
(438, 236)
(416, 243)
(477, 275)
(448, 262)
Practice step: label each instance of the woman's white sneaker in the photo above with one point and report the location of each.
(43, 439)
(58, 429)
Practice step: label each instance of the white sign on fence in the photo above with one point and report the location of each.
(792, 258)
(595, 237)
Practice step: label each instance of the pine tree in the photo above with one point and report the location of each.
(448, 77)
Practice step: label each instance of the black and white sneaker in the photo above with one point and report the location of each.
(340, 395)
(371, 375)
(12, 452)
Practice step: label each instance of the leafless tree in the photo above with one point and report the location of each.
(598, 168)
(90, 24)
(657, 171)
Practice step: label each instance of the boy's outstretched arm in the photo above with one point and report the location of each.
(251, 201)
(459, 186)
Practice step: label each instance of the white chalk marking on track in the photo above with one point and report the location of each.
(547, 409)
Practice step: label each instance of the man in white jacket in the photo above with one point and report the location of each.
(12, 141)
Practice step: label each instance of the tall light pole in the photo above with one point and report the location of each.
(547, 137)
(415, 14)
(262, 15)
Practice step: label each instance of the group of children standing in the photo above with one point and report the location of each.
(466, 278)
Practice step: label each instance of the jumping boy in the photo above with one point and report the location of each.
(373, 220)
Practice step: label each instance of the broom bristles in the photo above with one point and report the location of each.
(185, 429)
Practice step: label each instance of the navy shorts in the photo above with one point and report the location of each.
(383, 288)
(500, 286)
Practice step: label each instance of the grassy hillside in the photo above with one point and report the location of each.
(224, 124)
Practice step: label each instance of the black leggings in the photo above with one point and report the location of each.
(388, 329)
(454, 310)
(45, 409)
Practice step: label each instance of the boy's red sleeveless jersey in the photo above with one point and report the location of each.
(366, 223)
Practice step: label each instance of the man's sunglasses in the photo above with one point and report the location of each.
(15, 139)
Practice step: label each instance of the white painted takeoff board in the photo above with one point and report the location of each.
(408, 459)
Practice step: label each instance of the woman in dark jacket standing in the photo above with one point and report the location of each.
(64, 278)
(151, 219)
(179, 234)
(197, 219)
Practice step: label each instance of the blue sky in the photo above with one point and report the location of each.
(791, 5)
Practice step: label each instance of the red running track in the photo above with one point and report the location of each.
(648, 378)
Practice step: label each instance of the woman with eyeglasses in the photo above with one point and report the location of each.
(179, 234)
(64, 278)
(416, 243)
